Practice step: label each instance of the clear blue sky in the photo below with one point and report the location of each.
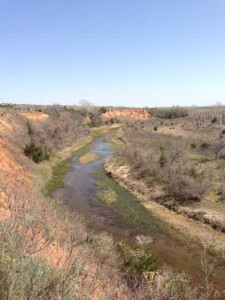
(113, 52)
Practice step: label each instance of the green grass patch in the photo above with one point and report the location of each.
(56, 180)
(200, 158)
(103, 132)
(83, 150)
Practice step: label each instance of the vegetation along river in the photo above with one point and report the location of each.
(109, 207)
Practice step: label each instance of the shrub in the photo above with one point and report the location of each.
(91, 124)
(217, 147)
(137, 260)
(193, 146)
(185, 186)
(214, 120)
(169, 113)
(222, 156)
(30, 130)
(102, 110)
(155, 128)
(173, 167)
(36, 152)
(162, 158)
(204, 146)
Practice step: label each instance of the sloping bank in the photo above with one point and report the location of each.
(214, 240)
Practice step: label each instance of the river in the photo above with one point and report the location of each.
(125, 217)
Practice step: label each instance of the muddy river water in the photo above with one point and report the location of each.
(127, 218)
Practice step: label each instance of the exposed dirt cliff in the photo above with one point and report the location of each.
(127, 115)
(15, 168)
(17, 188)
(35, 116)
(12, 163)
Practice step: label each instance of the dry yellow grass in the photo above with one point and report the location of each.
(88, 157)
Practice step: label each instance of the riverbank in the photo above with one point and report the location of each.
(214, 240)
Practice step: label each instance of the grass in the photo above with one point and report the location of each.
(56, 181)
(99, 132)
(200, 158)
(83, 150)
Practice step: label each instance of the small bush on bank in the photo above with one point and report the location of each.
(137, 260)
(204, 146)
(193, 146)
(102, 110)
(214, 120)
(162, 158)
(36, 152)
(30, 130)
(185, 187)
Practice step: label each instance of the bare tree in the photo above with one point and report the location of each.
(217, 146)
(199, 120)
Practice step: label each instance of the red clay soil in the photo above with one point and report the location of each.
(15, 177)
(126, 115)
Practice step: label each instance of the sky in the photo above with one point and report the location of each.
(113, 52)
